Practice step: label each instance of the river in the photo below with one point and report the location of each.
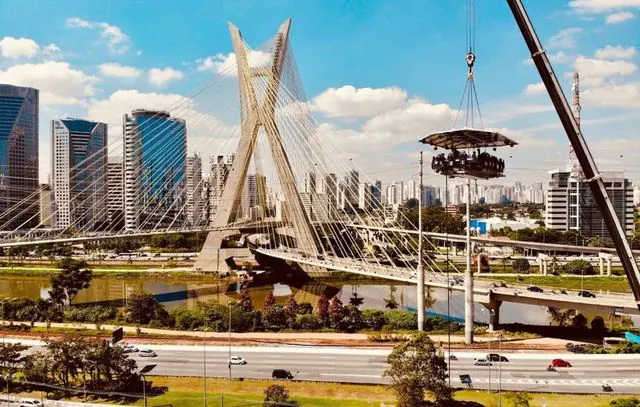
(171, 294)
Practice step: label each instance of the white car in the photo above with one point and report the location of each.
(237, 360)
(147, 353)
(30, 403)
(481, 362)
(130, 349)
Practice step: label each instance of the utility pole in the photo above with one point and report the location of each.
(468, 277)
(420, 292)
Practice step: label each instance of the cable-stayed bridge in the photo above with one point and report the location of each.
(298, 197)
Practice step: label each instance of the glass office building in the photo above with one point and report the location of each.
(19, 187)
(155, 158)
(78, 173)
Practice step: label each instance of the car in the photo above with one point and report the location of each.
(237, 360)
(535, 289)
(560, 363)
(30, 403)
(130, 349)
(586, 294)
(281, 374)
(481, 362)
(147, 353)
(564, 292)
(494, 357)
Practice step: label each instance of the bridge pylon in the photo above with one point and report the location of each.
(258, 111)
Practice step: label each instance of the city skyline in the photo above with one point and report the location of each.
(98, 65)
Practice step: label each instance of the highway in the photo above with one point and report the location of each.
(524, 371)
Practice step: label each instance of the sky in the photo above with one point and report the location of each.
(378, 75)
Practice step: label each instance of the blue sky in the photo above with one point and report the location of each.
(378, 74)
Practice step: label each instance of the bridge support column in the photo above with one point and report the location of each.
(479, 263)
(601, 266)
(540, 270)
(609, 261)
(494, 314)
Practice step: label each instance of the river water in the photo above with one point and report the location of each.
(171, 294)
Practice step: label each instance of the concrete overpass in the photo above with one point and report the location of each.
(489, 294)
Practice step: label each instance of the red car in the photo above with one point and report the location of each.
(560, 363)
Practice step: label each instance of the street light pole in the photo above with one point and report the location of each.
(500, 371)
(144, 390)
(420, 276)
(204, 369)
(229, 361)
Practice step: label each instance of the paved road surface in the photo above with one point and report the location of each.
(524, 371)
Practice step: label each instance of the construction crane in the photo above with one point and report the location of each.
(591, 174)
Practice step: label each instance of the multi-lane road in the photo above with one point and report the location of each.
(523, 371)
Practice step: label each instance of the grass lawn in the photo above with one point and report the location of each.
(185, 392)
(605, 283)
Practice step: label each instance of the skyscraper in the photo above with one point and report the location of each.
(115, 194)
(570, 205)
(19, 187)
(155, 157)
(255, 196)
(79, 173)
(195, 203)
(219, 171)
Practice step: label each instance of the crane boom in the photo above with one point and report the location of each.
(571, 127)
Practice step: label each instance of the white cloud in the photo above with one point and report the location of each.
(78, 23)
(52, 51)
(566, 38)
(204, 130)
(117, 40)
(602, 6)
(535, 89)
(160, 77)
(18, 47)
(594, 71)
(349, 101)
(621, 17)
(620, 96)
(615, 52)
(225, 64)
(119, 71)
(412, 121)
(59, 84)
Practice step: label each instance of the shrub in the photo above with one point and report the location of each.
(373, 319)
(521, 266)
(308, 321)
(186, 319)
(305, 308)
(93, 313)
(597, 325)
(626, 402)
(400, 319)
(579, 267)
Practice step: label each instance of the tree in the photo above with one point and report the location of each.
(322, 309)
(521, 266)
(597, 325)
(519, 399)
(74, 276)
(269, 301)
(305, 308)
(276, 395)
(291, 310)
(579, 321)
(142, 308)
(11, 359)
(579, 267)
(245, 301)
(336, 311)
(390, 301)
(562, 317)
(415, 367)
